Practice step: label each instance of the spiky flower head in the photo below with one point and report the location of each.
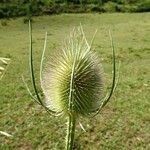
(4, 63)
(73, 78)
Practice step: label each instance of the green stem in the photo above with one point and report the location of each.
(70, 131)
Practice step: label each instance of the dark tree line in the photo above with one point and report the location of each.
(14, 8)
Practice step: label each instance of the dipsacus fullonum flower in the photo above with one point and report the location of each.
(72, 81)
(4, 63)
(73, 78)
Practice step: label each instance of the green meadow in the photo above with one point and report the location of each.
(124, 124)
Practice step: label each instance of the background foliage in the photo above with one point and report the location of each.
(13, 8)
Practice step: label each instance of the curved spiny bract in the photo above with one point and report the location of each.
(76, 63)
(37, 98)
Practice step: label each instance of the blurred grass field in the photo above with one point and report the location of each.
(124, 124)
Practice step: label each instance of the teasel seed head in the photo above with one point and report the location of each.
(73, 77)
(4, 63)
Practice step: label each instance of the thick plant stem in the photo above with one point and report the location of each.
(70, 131)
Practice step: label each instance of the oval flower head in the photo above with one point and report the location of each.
(73, 78)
